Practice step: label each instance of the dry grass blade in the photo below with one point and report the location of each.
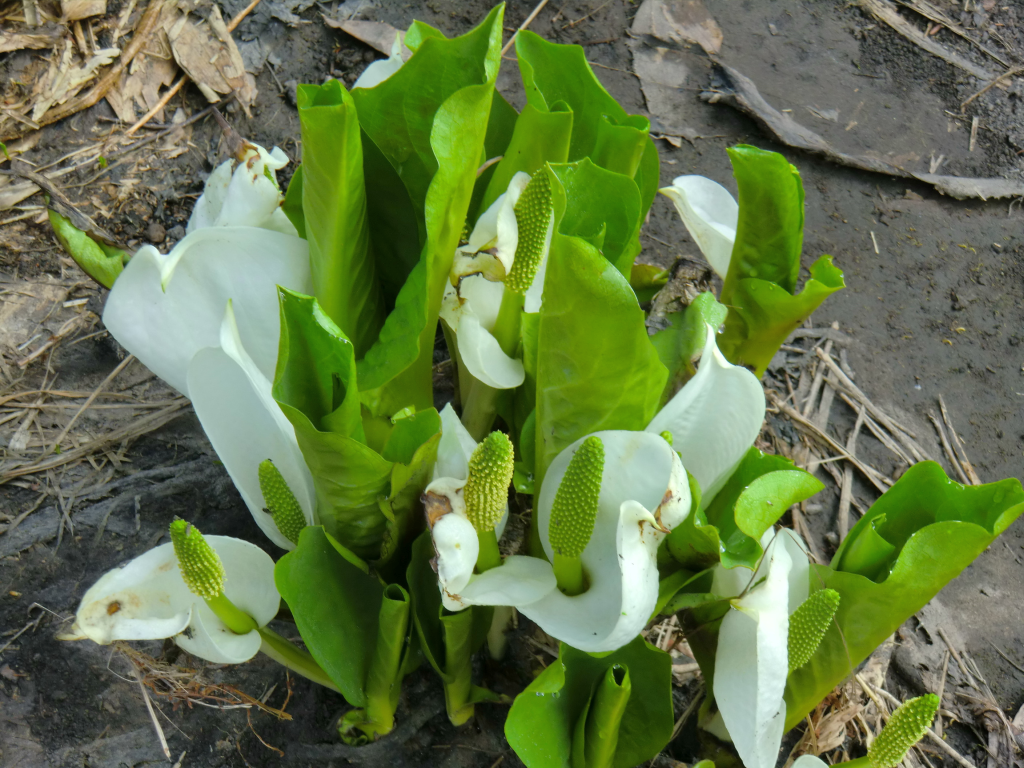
(947, 448)
(90, 400)
(958, 445)
(846, 494)
(131, 431)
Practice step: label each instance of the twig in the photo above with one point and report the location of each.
(139, 39)
(89, 401)
(584, 18)
(958, 445)
(846, 494)
(974, 133)
(999, 650)
(181, 80)
(156, 723)
(873, 427)
(524, 25)
(947, 448)
(873, 475)
(994, 82)
(687, 713)
(941, 692)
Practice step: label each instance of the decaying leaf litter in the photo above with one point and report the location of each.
(132, 455)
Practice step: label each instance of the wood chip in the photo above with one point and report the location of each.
(72, 10)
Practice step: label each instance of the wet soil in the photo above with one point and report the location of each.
(935, 308)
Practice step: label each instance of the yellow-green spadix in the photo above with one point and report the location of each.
(490, 473)
(281, 503)
(808, 625)
(905, 728)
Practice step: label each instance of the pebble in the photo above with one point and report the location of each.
(155, 232)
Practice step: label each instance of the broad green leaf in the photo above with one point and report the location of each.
(539, 137)
(648, 176)
(447, 639)
(292, 205)
(646, 280)
(542, 722)
(409, 433)
(554, 73)
(429, 121)
(757, 494)
(101, 262)
(603, 208)
(402, 507)
(336, 605)
(762, 314)
(597, 729)
(500, 128)
(620, 148)
(936, 528)
(316, 367)
(596, 367)
(335, 213)
(348, 476)
(770, 231)
(681, 344)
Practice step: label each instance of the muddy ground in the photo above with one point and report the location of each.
(933, 305)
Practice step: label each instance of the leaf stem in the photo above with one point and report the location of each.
(295, 659)
(490, 556)
(481, 405)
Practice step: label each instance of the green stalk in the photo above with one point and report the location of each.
(860, 762)
(238, 621)
(481, 406)
(295, 659)
(490, 556)
(569, 574)
(458, 666)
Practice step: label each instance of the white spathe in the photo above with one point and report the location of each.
(247, 196)
(752, 660)
(644, 495)
(379, 71)
(472, 300)
(710, 214)
(714, 418)
(147, 599)
(167, 309)
(517, 580)
(809, 761)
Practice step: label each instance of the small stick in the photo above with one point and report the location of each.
(524, 25)
(880, 434)
(874, 242)
(846, 494)
(95, 393)
(974, 133)
(958, 444)
(156, 723)
(181, 80)
(584, 18)
(873, 475)
(941, 692)
(948, 449)
(996, 81)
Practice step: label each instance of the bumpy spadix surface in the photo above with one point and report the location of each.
(574, 509)
(490, 473)
(533, 216)
(284, 508)
(905, 728)
(808, 625)
(201, 569)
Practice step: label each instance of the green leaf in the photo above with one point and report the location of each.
(542, 722)
(539, 137)
(336, 604)
(101, 262)
(292, 205)
(757, 494)
(596, 368)
(762, 314)
(335, 213)
(646, 280)
(935, 528)
(648, 176)
(770, 231)
(597, 730)
(681, 344)
(429, 122)
(603, 208)
(447, 639)
(553, 73)
(315, 387)
(620, 148)
(402, 507)
(316, 368)
(409, 433)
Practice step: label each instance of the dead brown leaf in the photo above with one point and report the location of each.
(72, 10)
(17, 37)
(209, 56)
(376, 34)
(679, 21)
(139, 91)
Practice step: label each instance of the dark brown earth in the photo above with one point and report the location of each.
(937, 310)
